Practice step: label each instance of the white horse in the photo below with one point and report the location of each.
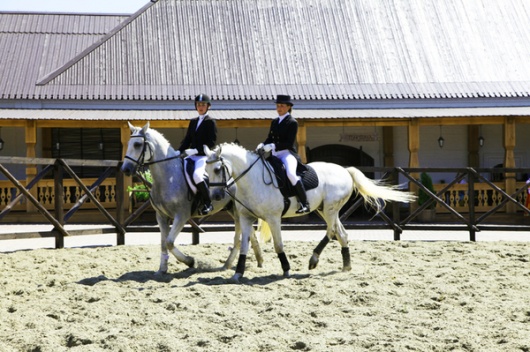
(169, 194)
(259, 197)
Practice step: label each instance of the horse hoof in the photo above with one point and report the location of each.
(235, 279)
(286, 274)
(346, 268)
(191, 262)
(161, 272)
(313, 262)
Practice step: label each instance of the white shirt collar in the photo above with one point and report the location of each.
(283, 117)
(201, 119)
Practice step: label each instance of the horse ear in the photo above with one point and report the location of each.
(131, 127)
(145, 127)
(207, 150)
(219, 150)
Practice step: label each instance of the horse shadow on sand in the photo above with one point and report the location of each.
(147, 276)
(255, 281)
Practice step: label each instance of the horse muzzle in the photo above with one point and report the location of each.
(218, 195)
(128, 169)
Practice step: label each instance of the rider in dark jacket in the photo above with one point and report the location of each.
(202, 131)
(281, 141)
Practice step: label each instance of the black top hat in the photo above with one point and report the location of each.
(283, 99)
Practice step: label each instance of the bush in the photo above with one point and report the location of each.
(139, 191)
(423, 197)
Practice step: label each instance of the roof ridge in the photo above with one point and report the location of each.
(52, 75)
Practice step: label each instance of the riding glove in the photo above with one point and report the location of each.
(259, 146)
(269, 147)
(191, 151)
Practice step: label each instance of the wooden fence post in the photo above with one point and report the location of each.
(120, 207)
(59, 202)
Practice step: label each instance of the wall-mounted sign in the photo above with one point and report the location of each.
(362, 137)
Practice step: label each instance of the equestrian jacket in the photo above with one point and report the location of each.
(196, 138)
(283, 134)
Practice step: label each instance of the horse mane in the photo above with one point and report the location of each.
(234, 148)
(155, 135)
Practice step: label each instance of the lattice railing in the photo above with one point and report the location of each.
(105, 193)
(485, 198)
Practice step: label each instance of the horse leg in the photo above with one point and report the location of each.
(276, 233)
(257, 248)
(345, 249)
(237, 243)
(315, 257)
(335, 229)
(313, 261)
(247, 228)
(234, 251)
(176, 228)
(163, 224)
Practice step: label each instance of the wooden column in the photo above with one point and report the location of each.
(414, 147)
(414, 144)
(302, 141)
(31, 170)
(473, 147)
(509, 159)
(388, 146)
(125, 134)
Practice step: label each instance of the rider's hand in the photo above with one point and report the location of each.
(269, 147)
(191, 151)
(259, 146)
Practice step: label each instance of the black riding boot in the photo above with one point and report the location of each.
(302, 197)
(205, 195)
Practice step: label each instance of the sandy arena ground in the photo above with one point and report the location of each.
(399, 296)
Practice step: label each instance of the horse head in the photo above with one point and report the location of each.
(139, 150)
(219, 172)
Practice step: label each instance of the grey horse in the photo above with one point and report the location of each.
(258, 196)
(169, 194)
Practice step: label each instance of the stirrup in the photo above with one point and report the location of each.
(304, 208)
(206, 209)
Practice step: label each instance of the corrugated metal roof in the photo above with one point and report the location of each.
(300, 114)
(32, 45)
(311, 49)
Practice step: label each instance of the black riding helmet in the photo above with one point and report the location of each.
(202, 98)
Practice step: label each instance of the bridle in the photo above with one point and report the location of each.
(142, 164)
(147, 146)
(228, 182)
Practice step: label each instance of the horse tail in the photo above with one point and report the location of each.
(373, 190)
(264, 231)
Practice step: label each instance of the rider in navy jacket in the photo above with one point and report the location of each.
(202, 131)
(281, 141)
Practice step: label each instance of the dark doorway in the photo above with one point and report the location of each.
(346, 156)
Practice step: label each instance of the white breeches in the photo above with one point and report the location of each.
(290, 163)
(200, 167)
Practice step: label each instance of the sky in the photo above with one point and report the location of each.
(74, 6)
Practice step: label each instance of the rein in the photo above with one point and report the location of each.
(227, 184)
(231, 181)
(141, 159)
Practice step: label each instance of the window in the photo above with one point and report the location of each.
(88, 144)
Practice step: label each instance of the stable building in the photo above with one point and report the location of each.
(375, 83)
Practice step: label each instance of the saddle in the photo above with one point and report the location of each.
(306, 173)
